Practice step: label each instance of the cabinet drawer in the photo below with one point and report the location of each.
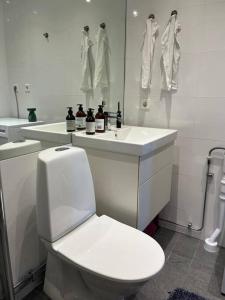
(151, 164)
(153, 195)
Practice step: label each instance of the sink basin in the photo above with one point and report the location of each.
(53, 134)
(14, 149)
(129, 139)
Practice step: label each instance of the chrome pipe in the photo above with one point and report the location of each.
(209, 175)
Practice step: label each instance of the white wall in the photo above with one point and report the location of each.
(197, 110)
(4, 88)
(53, 68)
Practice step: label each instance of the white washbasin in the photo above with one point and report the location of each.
(129, 139)
(52, 133)
(14, 149)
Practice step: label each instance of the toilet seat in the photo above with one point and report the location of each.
(112, 250)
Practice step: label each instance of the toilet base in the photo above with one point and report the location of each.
(63, 281)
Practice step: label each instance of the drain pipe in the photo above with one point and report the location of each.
(209, 175)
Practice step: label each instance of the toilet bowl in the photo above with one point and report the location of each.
(89, 257)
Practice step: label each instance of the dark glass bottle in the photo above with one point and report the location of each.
(80, 118)
(90, 122)
(119, 117)
(32, 115)
(70, 121)
(100, 120)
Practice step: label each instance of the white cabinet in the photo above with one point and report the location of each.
(18, 186)
(129, 188)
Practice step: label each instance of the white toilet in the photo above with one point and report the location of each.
(89, 257)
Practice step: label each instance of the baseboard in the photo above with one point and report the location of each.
(181, 229)
(35, 279)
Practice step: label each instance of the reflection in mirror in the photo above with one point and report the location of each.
(53, 54)
(43, 45)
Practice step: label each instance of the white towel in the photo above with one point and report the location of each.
(170, 54)
(148, 48)
(102, 76)
(86, 61)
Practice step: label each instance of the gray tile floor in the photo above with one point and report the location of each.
(187, 266)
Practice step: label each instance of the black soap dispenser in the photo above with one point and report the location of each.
(90, 122)
(100, 120)
(80, 118)
(70, 120)
(118, 117)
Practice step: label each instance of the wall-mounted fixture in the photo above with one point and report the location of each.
(174, 12)
(152, 16)
(103, 25)
(86, 28)
(46, 35)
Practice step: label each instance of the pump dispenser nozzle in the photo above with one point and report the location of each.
(80, 106)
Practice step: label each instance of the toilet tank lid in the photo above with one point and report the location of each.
(65, 191)
(51, 154)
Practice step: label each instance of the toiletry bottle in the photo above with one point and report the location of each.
(100, 120)
(80, 118)
(70, 121)
(32, 115)
(90, 122)
(118, 117)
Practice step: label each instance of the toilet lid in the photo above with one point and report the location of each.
(111, 249)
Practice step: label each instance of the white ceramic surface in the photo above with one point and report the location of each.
(112, 250)
(55, 133)
(129, 139)
(14, 149)
(10, 129)
(14, 122)
(65, 194)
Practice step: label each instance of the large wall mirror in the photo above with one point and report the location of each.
(42, 41)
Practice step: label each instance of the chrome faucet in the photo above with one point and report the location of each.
(109, 116)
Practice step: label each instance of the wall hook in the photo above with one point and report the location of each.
(174, 12)
(46, 35)
(103, 25)
(152, 16)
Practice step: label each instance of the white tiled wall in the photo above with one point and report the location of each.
(53, 67)
(5, 106)
(197, 110)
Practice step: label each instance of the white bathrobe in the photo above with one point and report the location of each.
(170, 55)
(86, 61)
(148, 48)
(102, 68)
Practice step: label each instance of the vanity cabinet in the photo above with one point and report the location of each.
(131, 189)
